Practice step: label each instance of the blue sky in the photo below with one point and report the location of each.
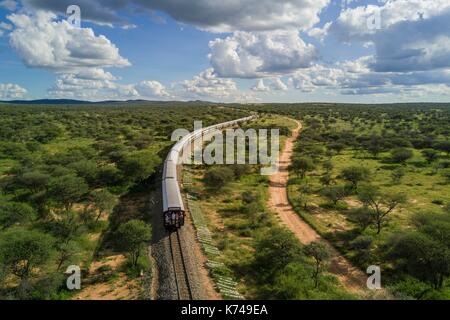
(245, 51)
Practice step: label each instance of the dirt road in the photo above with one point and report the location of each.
(350, 277)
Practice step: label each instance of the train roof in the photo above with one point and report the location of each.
(171, 195)
(170, 170)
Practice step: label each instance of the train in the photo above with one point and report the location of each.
(174, 213)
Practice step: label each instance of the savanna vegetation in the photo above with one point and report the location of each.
(374, 180)
(266, 259)
(74, 188)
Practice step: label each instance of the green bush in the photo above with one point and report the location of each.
(218, 177)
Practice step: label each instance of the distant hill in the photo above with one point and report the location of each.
(47, 101)
(81, 102)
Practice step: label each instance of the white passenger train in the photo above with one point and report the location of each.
(173, 207)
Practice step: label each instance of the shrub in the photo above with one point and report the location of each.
(401, 155)
(218, 177)
(355, 175)
(132, 236)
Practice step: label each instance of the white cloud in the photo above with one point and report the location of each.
(260, 54)
(411, 44)
(212, 15)
(310, 79)
(10, 5)
(152, 89)
(208, 85)
(278, 85)
(356, 78)
(413, 35)
(260, 86)
(275, 84)
(96, 84)
(320, 33)
(11, 91)
(43, 42)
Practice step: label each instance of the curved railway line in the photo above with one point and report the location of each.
(174, 209)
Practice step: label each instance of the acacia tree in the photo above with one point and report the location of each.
(275, 250)
(303, 165)
(423, 257)
(67, 190)
(22, 250)
(218, 177)
(321, 254)
(12, 213)
(35, 181)
(335, 193)
(138, 166)
(380, 204)
(355, 175)
(401, 155)
(132, 236)
(375, 145)
(103, 201)
(362, 217)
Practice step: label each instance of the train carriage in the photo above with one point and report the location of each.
(173, 207)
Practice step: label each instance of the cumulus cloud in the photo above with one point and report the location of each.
(43, 42)
(411, 41)
(93, 85)
(97, 84)
(152, 89)
(76, 55)
(357, 78)
(211, 15)
(10, 91)
(260, 86)
(260, 54)
(275, 84)
(208, 85)
(412, 35)
(317, 76)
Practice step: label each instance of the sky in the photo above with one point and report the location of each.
(250, 51)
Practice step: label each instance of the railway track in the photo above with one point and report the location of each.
(179, 265)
